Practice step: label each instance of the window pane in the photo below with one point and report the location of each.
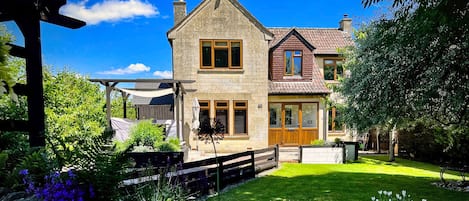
(329, 62)
(222, 104)
(204, 117)
(275, 111)
(340, 69)
(240, 121)
(310, 111)
(329, 120)
(291, 116)
(329, 72)
(240, 104)
(206, 44)
(207, 56)
(221, 58)
(338, 124)
(297, 61)
(297, 53)
(235, 56)
(288, 63)
(235, 44)
(222, 116)
(224, 44)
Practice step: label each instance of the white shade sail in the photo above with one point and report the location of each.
(148, 94)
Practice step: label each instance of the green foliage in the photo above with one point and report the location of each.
(411, 66)
(146, 133)
(318, 142)
(75, 116)
(117, 107)
(7, 80)
(170, 146)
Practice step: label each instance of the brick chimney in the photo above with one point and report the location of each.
(179, 10)
(345, 24)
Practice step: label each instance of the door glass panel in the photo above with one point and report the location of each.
(291, 116)
(275, 111)
(309, 117)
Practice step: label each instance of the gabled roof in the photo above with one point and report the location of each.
(325, 40)
(235, 3)
(316, 86)
(289, 33)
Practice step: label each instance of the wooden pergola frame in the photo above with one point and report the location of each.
(27, 14)
(178, 90)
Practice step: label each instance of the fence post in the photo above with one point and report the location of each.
(220, 174)
(276, 152)
(253, 164)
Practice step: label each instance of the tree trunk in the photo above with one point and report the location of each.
(392, 143)
(377, 140)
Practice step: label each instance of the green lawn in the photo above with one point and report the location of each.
(353, 181)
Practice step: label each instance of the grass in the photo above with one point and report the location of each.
(355, 181)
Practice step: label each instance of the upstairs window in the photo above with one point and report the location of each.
(293, 62)
(204, 114)
(333, 69)
(221, 54)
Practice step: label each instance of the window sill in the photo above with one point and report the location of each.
(330, 133)
(220, 71)
(293, 77)
(236, 137)
(331, 81)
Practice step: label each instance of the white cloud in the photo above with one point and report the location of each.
(109, 10)
(131, 69)
(163, 74)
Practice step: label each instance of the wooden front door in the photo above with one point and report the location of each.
(293, 124)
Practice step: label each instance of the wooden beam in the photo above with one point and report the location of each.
(31, 29)
(21, 89)
(17, 51)
(14, 125)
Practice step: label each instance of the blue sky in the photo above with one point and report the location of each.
(127, 38)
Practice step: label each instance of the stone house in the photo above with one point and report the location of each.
(265, 85)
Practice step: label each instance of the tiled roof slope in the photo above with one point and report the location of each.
(316, 86)
(326, 41)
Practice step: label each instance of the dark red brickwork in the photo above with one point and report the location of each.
(277, 60)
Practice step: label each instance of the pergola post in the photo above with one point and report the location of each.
(109, 87)
(125, 96)
(36, 117)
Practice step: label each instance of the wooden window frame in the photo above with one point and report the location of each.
(334, 60)
(205, 108)
(227, 108)
(332, 117)
(213, 47)
(245, 108)
(292, 62)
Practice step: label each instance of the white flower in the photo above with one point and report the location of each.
(404, 192)
(389, 193)
(373, 198)
(424, 199)
(380, 192)
(398, 196)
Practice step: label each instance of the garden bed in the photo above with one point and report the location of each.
(322, 154)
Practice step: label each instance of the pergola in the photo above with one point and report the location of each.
(27, 14)
(177, 88)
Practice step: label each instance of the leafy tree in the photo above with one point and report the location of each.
(413, 65)
(75, 114)
(7, 72)
(117, 106)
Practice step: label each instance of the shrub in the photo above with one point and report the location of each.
(318, 142)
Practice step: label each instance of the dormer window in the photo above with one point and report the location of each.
(220, 54)
(293, 62)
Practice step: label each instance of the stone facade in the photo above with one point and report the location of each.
(261, 79)
(223, 21)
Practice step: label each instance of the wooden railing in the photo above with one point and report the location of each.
(199, 178)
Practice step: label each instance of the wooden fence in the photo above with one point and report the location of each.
(199, 178)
